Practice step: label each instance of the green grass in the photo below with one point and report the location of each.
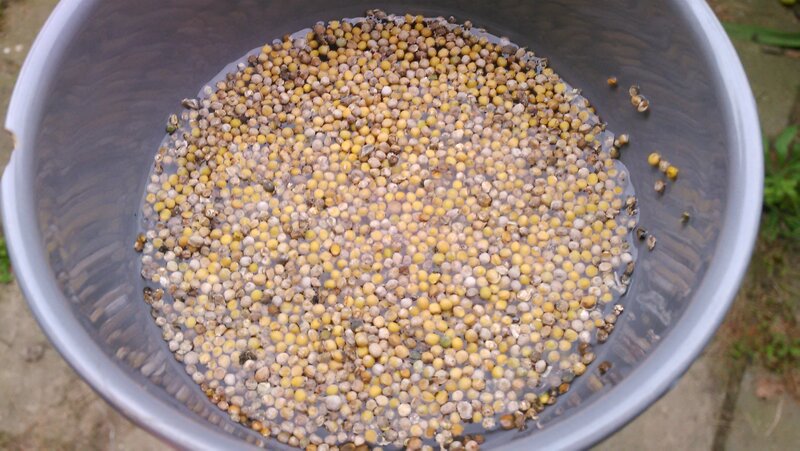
(5, 263)
(781, 216)
(764, 36)
(763, 326)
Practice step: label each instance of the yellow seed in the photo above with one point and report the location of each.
(497, 372)
(672, 172)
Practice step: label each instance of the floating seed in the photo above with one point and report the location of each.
(192, 104)
(672, 172)
(629, 268)
(172, 123)
(641, 233)
(634, 90)
(651, 242)
(643, 105)
(654, 159)
(612, 82)
(147, 293)
(604, 367)
(660, 186)
(685, 217)
(138, 246)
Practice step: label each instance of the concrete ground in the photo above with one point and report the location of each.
(47, 406)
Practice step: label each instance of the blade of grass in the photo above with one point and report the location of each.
(5, 263)
(766, 36)
(784, 139)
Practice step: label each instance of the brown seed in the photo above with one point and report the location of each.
(629, 268)
(147, 293)
(414, 444)
(612, 82)
(685, 217)
(484, 200)
(604, 367)
(245, 356)
(138, 246)
(519, 417)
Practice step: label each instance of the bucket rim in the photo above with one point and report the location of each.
(652, 378)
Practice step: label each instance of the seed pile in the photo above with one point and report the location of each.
(383, 230)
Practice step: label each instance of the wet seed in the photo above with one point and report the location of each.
(312, 220)
(659, 186)
(172, 124)
(651, 242)
(191, 104)
(643, 105)
(138, 245)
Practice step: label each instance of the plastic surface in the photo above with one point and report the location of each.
(89, 110)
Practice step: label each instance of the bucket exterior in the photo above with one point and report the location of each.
(87, 115)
